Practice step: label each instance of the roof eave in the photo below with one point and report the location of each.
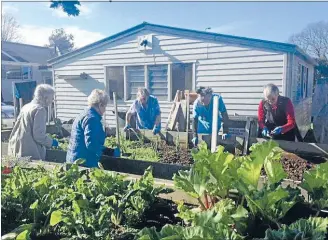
(275, 46)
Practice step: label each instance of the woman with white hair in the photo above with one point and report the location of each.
(28, 137)
(147, 111)
(276, 115)
(88, 135)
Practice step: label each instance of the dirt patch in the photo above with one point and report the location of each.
(294, 166)
(174, 155)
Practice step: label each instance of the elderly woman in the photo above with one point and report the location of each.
(147, 112)
(203, 114)
(276, 116)
(88, 135)
(28, 137)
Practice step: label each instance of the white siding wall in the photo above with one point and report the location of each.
(238, 73)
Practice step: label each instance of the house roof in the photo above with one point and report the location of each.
(19, 52)
(258, 43)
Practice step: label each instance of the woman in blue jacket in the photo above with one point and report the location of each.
(88, 135)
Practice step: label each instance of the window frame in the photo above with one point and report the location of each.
(169, 77)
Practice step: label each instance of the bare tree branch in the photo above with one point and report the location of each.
(9, 28)
(313, 40)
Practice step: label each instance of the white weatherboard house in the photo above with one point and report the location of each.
(166, 59)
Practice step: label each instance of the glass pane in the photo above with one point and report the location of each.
(135, 79)
(115, 80)
(157, 75)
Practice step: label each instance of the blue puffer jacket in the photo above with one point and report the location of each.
(87, 138)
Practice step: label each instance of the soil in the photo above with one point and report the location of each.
(294, 166)
(172, 155)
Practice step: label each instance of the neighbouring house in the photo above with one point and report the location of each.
(23, 62)
(166, 59)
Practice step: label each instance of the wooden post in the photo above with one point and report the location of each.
(14, 100)
(116, 120)
(215, 123)
(188, 117)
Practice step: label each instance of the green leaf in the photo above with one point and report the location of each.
(249, 172)
(35, 204)
(190, 182)
(25, 235)
(303, 229)
(17, 231)
(79, 161)
(76, 207)
(274, 171)
(56, 217)
(316, 178)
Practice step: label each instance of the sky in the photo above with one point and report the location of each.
(275, 21)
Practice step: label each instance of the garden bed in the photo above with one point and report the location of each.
(81, 203)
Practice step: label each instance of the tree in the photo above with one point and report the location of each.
(9, 28)
(69, 7)
(61, 41)
(314, 41)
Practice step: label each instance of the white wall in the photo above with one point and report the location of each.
(237, 72)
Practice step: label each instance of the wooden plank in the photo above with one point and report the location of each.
(116, 120)
(187, 117)
(299, 148)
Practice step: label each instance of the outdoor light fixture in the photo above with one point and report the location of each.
(144, 43)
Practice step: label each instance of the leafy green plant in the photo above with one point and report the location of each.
(272, 202)
(315, 182)
(303, 229)
(74, 203)
(210, 177)
(216, 223)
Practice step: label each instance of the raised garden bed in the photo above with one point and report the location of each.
(230, 204)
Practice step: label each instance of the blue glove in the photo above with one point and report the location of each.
(277, 131)
(156, 130)
(265, 132)
(225, 136)
(127, 127)
(54, 143)
(195, 141)
(117, 152)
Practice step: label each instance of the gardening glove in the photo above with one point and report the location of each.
(225, 136)
(54, 143)
(277, 131)
(127, 127)
(156, 130)
(117, 152)
(205, 124)
(265, 132)
(195, 141)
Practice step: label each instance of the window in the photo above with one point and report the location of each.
(135, 79)
(181, 77)
(115, 81)
(302, 82)
(157, 79)
(16, 72)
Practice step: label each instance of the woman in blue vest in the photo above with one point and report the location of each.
(203, 114)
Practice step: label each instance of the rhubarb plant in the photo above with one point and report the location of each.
(273, 201)
(303, 229)
(315, 182)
